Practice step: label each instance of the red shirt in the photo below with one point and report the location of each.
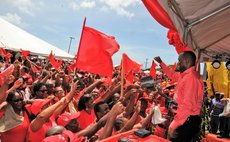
(18, 133)
(86, 119)
(188, 93)
(39, 135)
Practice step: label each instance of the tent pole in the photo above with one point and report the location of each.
(207, 16)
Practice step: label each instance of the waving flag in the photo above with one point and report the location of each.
(55, 63)
(153, 70)
(25, 53)
(95, 52)
(5, 54)
(130, 67)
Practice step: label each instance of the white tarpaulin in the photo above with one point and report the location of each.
(204, 25)
(14, 38)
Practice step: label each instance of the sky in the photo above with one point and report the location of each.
(55, 21)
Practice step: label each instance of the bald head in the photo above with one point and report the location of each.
(190, 56)
(186, 60)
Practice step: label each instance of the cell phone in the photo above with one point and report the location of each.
(124, 140)
(147, 82)
(142, 133)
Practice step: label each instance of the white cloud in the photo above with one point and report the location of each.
(74, 5)
(14, 19)
(78, 4)
(120, 6)
(88, 4)
(25, 6)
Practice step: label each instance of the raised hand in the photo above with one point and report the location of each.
(9, 79)
(158, 59)
(18, 83)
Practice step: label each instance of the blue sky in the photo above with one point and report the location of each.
(54, 21)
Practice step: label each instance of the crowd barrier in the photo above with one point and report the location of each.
(213, 138)
(129, 135)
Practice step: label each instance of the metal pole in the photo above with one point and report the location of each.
(70, 42)
(146, 63)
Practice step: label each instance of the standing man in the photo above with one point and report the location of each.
(188, 95)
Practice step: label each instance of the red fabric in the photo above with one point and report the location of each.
(38, 104)
(189, 87)
(5, 54)
(18, 133)
(107, 81)
(71, 67)
(86, 119)
(153, 70)
(95, 51)
(174, 39)
(160, 132)
(34, 68)
(213, 138)
(174, 66)
(55, 63)
(132, 137)
(7, 72)
(158, 13)
(25, 53)
(130, 67)
(39, 135)
(66, 117)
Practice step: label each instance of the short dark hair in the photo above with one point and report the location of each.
(97, 107)
(11, 95)
(83, 99)
(190, 56)
(37, 87)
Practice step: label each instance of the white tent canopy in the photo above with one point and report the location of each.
(14, 38)
(204, 25)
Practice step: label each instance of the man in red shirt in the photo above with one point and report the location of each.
(188, 95)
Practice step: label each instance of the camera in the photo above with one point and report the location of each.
(148, 82)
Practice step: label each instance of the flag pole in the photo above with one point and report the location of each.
(122, 76)
(83, 26)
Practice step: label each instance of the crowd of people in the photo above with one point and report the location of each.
(50, 105)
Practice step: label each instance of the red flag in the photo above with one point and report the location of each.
(4, 53)
(174, 39)
(153, 70)
(174, 66)
(158, 13)
(25, 53)
(71, 67)
(55, 63)
(34, 68)
(130, 67)
(95, 51)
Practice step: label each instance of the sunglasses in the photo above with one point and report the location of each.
(17, 100)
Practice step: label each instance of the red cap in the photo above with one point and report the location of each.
(66, 117)
(56, 138)
(38, 104)
(26, 75)
(63, 137)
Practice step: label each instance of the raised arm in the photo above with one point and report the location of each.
(107, 130)
(42, 117)
(168, 70)
(131, 122)
(146, 120)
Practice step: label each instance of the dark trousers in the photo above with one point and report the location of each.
(215, 122)
(188, 131)
(225, 126)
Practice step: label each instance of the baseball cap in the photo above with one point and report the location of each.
(66, 117)
(38, 104)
